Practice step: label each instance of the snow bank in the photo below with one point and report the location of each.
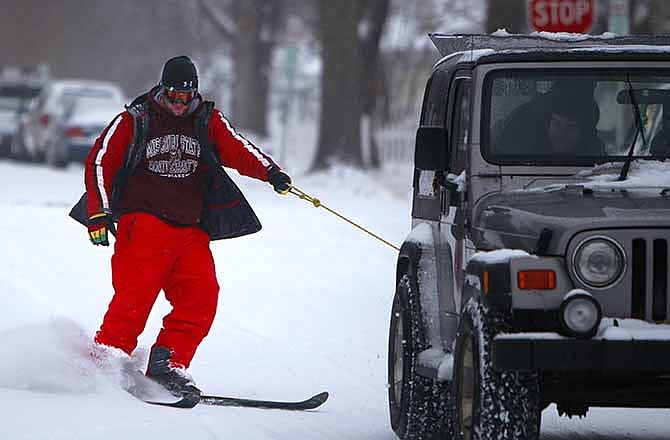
(58, 357)
(18, 307)
(284, 291)
(367, 184)
(49, 357)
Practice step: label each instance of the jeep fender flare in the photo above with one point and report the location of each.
(420, 257)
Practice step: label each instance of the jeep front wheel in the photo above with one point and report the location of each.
(418, 405)
(490, 405)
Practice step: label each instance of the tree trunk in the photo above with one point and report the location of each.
(507, 14)
(257, 22)
(341, 103)
(349, 32)
(650, 17)
(376, 13)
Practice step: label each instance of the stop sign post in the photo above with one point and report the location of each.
(573, 16)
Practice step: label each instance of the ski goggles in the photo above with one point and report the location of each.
(179, 96)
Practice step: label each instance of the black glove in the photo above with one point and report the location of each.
(279, 180)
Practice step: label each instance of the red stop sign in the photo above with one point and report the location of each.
(575, 16)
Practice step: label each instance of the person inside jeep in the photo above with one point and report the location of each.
(573, 131)
(558, 123)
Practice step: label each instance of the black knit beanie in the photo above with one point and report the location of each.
(179, 73)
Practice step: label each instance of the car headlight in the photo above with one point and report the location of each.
(580, 314)
(599, 262)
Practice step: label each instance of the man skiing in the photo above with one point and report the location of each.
(157, 169)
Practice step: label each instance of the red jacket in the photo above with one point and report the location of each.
(107, 156)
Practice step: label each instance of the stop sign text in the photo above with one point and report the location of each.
(575, 16)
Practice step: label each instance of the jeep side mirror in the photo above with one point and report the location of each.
(432, 149)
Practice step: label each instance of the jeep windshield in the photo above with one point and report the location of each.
(568, 117)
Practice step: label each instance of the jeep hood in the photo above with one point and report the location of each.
(515, 219)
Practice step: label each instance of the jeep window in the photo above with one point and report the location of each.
(435, 104)
(460, 126)
(573, 118)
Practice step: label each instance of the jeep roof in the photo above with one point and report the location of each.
(460, 51)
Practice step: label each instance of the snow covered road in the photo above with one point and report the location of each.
(304, 308)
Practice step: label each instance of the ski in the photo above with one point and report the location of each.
(311, 403)
(186, 402)
(191, 401)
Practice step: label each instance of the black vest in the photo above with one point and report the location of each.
(226, 213)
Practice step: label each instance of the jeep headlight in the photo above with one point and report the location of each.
(599, 262)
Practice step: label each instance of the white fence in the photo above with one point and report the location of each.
(395, 143)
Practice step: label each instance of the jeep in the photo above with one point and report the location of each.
(536, 271)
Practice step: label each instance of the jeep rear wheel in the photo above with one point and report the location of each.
(418, 405)
(490, 405)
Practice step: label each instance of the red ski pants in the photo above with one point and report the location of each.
(150, 255)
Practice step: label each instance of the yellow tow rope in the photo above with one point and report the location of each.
(317, 204)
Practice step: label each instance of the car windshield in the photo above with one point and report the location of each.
(59, 100)
(573, 118)
(15, 97)
(19, 91)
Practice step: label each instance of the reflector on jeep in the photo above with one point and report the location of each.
(536, 279)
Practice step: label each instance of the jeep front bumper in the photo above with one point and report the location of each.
(547, 352)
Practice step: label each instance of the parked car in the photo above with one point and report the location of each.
(15, 97)
(536, 271)
(41, 123)
(82, 122)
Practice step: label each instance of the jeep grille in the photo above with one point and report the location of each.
(644, 289)
(649, 278)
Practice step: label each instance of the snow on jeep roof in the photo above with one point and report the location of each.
(503, 42)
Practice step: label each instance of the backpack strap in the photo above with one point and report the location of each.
(139, 110)
(208, 150)
(140, 113)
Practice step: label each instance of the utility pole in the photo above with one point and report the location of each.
(619, 17)
(290, 69)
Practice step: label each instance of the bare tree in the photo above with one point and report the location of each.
(260, 20)
(349, 32)
(97, 39)
(372, 78)
(650, 17)
(251, 29)
(408, 55)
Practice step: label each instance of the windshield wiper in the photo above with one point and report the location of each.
(639, 130)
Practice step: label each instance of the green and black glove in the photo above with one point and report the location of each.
(279, 180)
(98, 225)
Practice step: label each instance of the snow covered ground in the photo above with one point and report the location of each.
(304, 308)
